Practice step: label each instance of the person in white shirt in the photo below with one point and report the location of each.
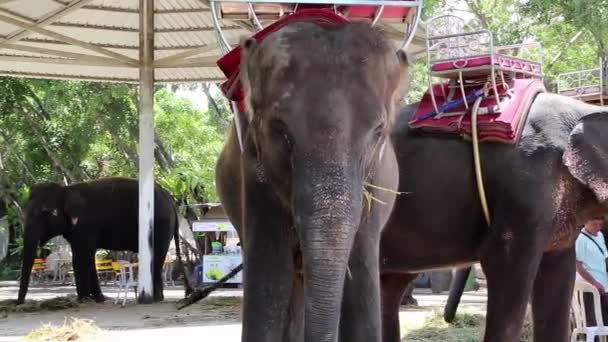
(591, 254)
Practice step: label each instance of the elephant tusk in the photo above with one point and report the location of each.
(74, 221)
(381, 154)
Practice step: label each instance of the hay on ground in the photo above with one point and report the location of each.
(53, 304)
(224, 301)
(73, 330)
(466, 327)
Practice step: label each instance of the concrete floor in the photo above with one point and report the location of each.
(162, 322)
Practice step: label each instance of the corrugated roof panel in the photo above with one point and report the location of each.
(91, 35)
(180, 25)
(32, 8)
(68, 71)
(178, 5)
(125, 4)
(6, 29)
(102, 19)
(188, 74)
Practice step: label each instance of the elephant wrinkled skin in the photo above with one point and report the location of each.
(540, 192)
(320, 104)
(92, 215)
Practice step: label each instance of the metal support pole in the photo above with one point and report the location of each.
(146, 150)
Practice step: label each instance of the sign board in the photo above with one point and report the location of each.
(213, 226)
(215, 267)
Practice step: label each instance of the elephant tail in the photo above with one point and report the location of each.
(203, 292)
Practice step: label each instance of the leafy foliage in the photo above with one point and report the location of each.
(553, 23)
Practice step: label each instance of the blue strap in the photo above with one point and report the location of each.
(452, 104)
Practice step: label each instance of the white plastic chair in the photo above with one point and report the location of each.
(580, 319)
(168, 273)
(126, 280)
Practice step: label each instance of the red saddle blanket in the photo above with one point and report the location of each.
(494, 123)
(321, 14)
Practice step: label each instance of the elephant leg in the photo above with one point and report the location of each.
(268, 272)
(552, 296)
(393, 288)
(360, 319)
(95, 288)
(84, 264)
(510, 259)
(160, 253)
(295, 326)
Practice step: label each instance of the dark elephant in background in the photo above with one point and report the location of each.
(540, 192)
(91, 215)
(320, 103)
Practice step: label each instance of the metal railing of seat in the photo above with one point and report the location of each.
(458, 51)
(260, 12)
(587, 85)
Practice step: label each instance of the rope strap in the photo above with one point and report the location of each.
(477, 162)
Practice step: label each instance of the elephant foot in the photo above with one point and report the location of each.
(409, 301)
(85, 299)
(99, 298)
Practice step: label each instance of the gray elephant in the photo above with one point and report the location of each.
(540, 192)
(320, 103)
(92, 215)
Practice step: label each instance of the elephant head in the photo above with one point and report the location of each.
(319, 107)
(51, 210)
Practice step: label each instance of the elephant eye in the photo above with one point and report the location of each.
(379, 131)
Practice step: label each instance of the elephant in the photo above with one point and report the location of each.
(539, 190)
(319, 102)
(97, 214)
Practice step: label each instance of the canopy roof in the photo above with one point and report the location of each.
(98, 40)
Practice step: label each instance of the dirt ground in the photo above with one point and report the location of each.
(216, 318)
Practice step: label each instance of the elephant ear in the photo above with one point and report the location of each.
(74, 206)
(586, 155)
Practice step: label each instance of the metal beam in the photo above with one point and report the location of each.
(60, 44)
(135, 11)
(135, 30)
(69, 40)
(49, 76)
(185, 54)
(103, 61)
(146, 150)
(196, 62)
(45, 20)
(54, 60)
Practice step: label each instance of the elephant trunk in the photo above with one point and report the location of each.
(29, 253)
(328, 211)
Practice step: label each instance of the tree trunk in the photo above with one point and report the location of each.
(38, 132)
(162, 156)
